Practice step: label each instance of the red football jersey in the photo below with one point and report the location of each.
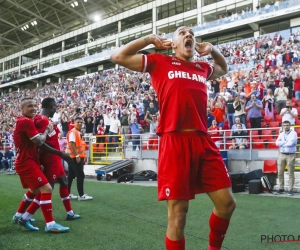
(26, 150)
(181, 90)
(41, 122)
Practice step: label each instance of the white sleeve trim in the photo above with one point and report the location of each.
(72, 137)
(34, 136)
(212, 70)
(145, 63)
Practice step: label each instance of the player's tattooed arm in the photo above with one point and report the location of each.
(220, 64)
(40, 139)
(147, 40)
(128, 56)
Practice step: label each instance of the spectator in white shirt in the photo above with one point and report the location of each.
(281, 94)
(224, 93)
(289, 113)
(114, 131)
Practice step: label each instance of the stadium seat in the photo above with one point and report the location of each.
(95, 148)
(267, 134)
(228, 144)
(270, 167)
(272, 145)
(297, 131)
(248, 125)
(298, 109)
(263, 124)
(268, 119)
(263, 112)
(278, 118)
(297, 122)
(274, 124)
(144, 146)
(153, 143)
(258, 145)
(227, 134)
(254, 134)
(101, 147)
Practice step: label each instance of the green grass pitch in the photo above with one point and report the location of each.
(129, 217)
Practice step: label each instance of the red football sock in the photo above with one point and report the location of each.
(64, 195)
(218, 228)
(175, 244)
(28, 198)
(46, 206)
(35, 205)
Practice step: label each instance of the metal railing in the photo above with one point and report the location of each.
(145, 146)
(105, 149)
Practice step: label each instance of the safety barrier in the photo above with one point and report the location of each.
(105, 149)
(145, 146)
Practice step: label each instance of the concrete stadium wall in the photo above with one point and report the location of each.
(237, 160)
(233, 165)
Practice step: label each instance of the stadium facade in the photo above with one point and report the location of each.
(88, 49)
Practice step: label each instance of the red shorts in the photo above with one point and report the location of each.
(31, 176)
(189, 163)
(53, 170)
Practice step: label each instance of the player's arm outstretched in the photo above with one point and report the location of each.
(40, 142)
(41, 138)
(220, 64)
(127, 55)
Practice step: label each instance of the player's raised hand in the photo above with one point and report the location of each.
(161, 43)
(204, 49)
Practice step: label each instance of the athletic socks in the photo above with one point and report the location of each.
(218, 228)
(27, 199)
(175, 244)
(34, 206)
(64, 195)
(46, 207)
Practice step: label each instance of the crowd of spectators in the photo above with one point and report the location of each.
(233, 15)
(246, 95)
(127, 95)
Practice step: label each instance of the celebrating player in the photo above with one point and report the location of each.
(189, 162)
(53, 168)
(27, 139)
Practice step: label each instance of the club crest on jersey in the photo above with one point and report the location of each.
(54, 176)
(39, 179)
(186, 75)
(167, 192)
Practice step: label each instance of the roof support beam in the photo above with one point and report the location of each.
(16, 27)
(18, 37)
(33, 14)
(8, 40)
(71, 9)
(55, 9)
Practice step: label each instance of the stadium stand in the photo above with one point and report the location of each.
(256, 65)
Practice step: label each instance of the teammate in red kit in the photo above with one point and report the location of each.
(53, 168)
(27, 140)
(189, 161)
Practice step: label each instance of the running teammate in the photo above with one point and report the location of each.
(27, 140)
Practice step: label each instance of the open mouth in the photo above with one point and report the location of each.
(188, 44)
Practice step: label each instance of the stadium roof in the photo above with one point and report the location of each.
(24, 23)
